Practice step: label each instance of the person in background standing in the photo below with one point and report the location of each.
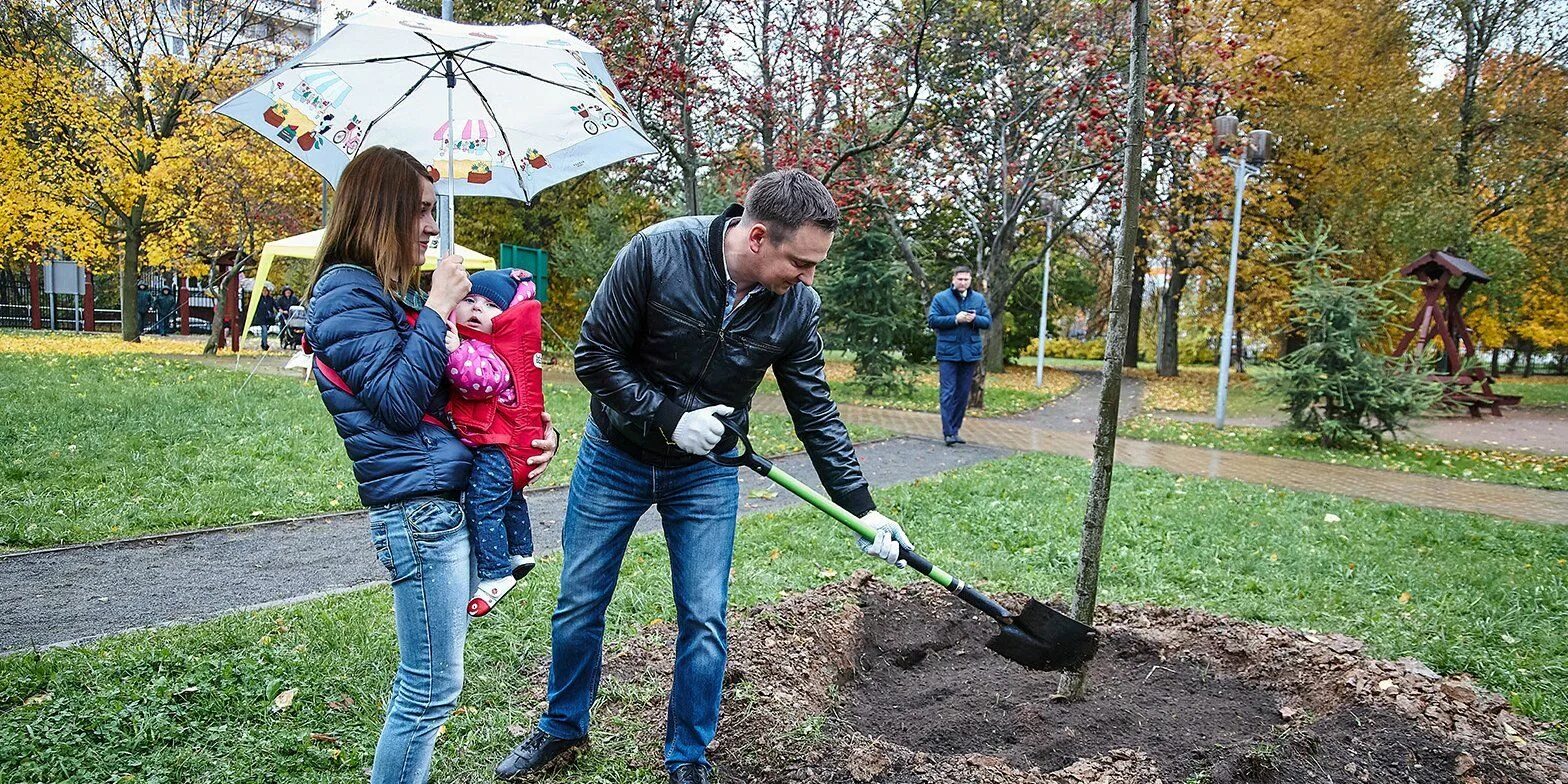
(144, 297)
(958, 315)
(164, 303)
(266, 315)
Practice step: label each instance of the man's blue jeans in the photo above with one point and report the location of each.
(498, 524)
(423, 544)
(956, 378)
(610, 491)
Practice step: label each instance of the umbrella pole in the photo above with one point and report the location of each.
(447, 238)
(448, 218)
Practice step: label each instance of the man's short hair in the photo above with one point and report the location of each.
(786, 199)
(960, 270)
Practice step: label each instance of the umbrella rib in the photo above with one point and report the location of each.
(438, 53)
(576, 89)
(400, 99)
(501, 127)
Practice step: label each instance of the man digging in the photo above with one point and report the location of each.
(689, 318)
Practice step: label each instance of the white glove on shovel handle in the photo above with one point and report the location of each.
(699, 431)
(889, 536)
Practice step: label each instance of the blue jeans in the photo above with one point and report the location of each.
(498, 523)
(610, 490)
(956, 378)
(423, 544)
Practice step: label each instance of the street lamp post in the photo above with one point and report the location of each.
(1259, 147)
(1053, 209)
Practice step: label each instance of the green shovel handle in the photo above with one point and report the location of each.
(749, 458)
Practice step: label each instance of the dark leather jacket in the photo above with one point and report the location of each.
(654, 346)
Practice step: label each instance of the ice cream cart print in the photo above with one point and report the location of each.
(302, 107)
(471, 156)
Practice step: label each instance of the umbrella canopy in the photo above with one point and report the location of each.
(530, 105)
(491, 110)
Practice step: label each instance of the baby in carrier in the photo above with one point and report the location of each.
(497, 406)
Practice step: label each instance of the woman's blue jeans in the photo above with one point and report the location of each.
(423, 544)
(610, 490)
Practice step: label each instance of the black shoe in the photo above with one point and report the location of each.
(521, 570)
(691, 773)
(951, 441)
(539, 752)
(958, 440)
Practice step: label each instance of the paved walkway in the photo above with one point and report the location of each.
(1079, 410)
(1517, 503)
(70, 595)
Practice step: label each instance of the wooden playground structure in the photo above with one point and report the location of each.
(1440, 317)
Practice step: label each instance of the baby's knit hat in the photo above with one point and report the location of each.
(502, 287)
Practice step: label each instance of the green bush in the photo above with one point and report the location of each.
(1336, 386)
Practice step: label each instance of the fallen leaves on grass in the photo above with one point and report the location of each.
(284, 700)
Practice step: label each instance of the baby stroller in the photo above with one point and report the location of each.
(293, 329)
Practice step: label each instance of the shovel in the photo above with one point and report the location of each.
(1038, 637)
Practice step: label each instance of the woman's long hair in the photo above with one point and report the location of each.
(374, 214)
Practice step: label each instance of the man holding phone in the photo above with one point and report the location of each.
(958, 315)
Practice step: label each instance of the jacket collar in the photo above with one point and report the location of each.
(716, 238)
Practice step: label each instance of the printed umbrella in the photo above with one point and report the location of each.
(493, 110)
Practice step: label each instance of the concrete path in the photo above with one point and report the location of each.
(1517, 503)
(69, 595)
(1079, 410)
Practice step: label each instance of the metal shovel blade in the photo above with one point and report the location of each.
(1041, 638)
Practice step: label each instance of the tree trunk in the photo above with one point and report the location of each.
(977, 389)
(1167, 362)
(220, 295)
(1087, 589)
(130, 269)
(1494, 363)
(995, 336)
(1528, 347)
(1134, 319)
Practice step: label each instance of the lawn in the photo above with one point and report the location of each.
(296, 692)
(112, 445)
(1012, 391)
(1480, 465)
(1538, 391)
(1196, 390)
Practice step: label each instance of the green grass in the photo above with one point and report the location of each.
(194, 703)
(1196, 390)
(1480, 465)
(102, 447)
(1009, 392)
(1538, 391)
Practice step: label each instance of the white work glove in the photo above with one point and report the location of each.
(889, 536)
(699, 431)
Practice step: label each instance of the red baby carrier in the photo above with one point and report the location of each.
(516, 338)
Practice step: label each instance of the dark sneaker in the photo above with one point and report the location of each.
(521, 566)
(958, 440)
(691, 773)
(950, 441)
(541, 751)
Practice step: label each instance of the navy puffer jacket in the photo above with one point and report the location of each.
(398, 372)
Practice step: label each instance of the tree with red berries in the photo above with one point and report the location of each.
(1027, 112)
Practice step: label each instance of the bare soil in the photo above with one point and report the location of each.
(858, 682)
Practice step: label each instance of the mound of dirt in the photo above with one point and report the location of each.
(857, 682)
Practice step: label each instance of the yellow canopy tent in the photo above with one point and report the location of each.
(303, 246)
